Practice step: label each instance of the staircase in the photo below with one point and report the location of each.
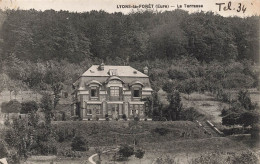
(210, 129)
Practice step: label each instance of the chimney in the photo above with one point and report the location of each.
(101, 66)
(146, 70)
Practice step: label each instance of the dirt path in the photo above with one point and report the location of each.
(90, 159)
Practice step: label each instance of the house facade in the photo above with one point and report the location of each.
(111, 91)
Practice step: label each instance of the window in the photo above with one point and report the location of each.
(136, 92)
(114, 91)
(141, 110)
(93, 107)
(136, 109)
(97, 110)
(113, 72)
(89, 111)
(115, 108)
(133, 112)
(93, 92)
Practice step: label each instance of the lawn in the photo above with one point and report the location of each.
(182, 151)
(206, 105)
(105, 133)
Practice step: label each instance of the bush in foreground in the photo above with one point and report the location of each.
(229, 158)
(125, 151)
(78, 144)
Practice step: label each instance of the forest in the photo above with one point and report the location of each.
(46, 51)
(42, 48)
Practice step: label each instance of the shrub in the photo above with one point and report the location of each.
(60, 136)
(158, 118)
(225, 112)
(139, 153)
(231, 119)
(13, 157)
(29, 106)
(7, 122)
(136, 118)
(230, 131)
(165, 159)
(97, 118)
(88, 119)
(78, 144)
(248, 118)
(3, 150)
(255, 132)
(126, 151)
(46, 148)
(13, 106)
(106, 116)
(69, 153)
(74, 118)
(63, 117)
(230, 157)
(190, 114)
(124, 117)
(161, 131)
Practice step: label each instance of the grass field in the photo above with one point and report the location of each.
(206, 105)
(182, 151)
(106, 133)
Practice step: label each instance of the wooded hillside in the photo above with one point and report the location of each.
(41, 48)
(33, 35)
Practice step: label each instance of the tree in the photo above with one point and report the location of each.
(47, 106)
(55, 76)
(245, 100)
(189, 86)
(231, 119)
(99, 152)
(139, 154)
(126, 151)
(78, 144)
(249, 118)
(29, 107)
(57, 87)
(175, 105)
(3, 150)
(13, 106)
(21, 134)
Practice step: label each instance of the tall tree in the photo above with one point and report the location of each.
(175, 105)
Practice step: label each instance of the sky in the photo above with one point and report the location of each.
(241, 8)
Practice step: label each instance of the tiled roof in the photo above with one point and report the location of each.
(121, 71)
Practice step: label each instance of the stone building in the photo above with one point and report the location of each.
(111, 91)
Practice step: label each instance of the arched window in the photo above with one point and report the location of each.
(136, 88)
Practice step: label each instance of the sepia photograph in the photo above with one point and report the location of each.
(129, 82)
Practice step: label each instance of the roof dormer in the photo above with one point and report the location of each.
(112, 72)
